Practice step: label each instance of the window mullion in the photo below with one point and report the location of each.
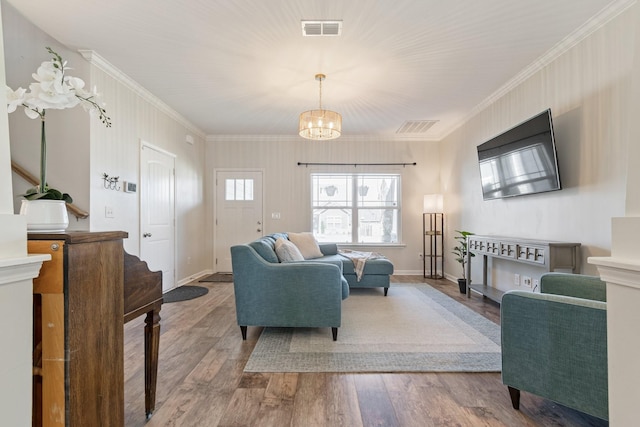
(355, 222)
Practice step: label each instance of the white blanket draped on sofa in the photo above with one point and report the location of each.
(359, 259)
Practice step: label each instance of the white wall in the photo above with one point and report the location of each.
(633, 158)
(137, 117)
(287, 185)
(15, 289)
(82, 149)
(6, 195)
(588, 89)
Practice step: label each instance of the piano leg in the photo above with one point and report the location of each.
(151, 347)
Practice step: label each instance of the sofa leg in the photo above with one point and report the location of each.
(515, 397)
(334, 331)
(385, 291)
(243, 329)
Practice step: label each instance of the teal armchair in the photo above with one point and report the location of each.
(554, 343)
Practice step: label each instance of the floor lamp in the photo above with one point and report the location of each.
(433, 236)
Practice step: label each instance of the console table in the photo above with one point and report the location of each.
(548, 255)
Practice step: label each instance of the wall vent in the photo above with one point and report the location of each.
(416, 126)
(321, 28)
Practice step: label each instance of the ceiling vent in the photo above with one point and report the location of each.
(321, 28)
(416, 126)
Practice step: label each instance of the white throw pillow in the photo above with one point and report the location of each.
(307, 244)
(287, 251)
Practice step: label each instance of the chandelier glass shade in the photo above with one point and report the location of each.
(320, 124)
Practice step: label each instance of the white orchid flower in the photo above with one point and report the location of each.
(49, 77)
(76, 84)
(32, 114)
(15, 98)
(52, 89)
(51, 99)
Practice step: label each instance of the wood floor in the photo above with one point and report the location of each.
(201, 381)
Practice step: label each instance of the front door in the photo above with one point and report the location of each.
(238, 216)
(157, 212)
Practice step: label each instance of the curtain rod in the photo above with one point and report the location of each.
(357, 164)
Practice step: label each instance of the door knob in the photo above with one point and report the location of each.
(146, 235)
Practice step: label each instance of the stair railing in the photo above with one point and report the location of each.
(31, 179)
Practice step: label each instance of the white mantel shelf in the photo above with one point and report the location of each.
(29, 259)
(621, 271)
(23, 268)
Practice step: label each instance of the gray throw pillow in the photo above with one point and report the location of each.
(287, 251)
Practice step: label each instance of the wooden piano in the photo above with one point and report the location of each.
(82, 299)
(143, 295)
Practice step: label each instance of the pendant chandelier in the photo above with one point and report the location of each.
(320, 124)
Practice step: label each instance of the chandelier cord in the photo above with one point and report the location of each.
(320, 103)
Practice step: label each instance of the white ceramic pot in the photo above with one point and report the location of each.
(45, 216)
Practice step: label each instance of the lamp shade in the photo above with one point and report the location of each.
(433, 203)
(320, 124)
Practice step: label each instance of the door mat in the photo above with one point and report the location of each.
(184, 293)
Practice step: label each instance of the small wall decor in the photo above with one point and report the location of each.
(111, 182)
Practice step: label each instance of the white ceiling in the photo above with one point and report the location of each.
(242, 67)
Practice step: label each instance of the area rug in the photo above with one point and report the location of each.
(184, 293)
(218, 277)
(415, 329)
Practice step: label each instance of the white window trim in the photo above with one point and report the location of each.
(354, 206)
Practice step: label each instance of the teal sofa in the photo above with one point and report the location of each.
(297, 294)
(292, 294)
(554, 343)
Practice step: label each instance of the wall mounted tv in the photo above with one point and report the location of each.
(521, 160)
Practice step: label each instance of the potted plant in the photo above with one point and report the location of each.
(52, 89)
(460, 251)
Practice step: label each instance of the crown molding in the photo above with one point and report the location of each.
(104, 65)
(299, 139)
(581, 33)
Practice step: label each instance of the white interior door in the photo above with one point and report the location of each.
(157, 212)
(238, 213)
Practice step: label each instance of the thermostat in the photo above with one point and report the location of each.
(129, 187)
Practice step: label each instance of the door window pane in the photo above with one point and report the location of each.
(238, 189)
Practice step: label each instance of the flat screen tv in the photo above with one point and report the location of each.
(521, 160)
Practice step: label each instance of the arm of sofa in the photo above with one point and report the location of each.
(555, 347)
(328, 248)
(574, 285)
(303, 294)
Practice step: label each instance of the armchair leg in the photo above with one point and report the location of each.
(243, 329)
(515, 397)
(334, 331)
(385, 291)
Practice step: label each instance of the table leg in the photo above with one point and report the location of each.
(151, 348)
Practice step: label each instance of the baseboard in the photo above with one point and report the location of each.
(448, 277)
(194, 277)
(408, 272)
